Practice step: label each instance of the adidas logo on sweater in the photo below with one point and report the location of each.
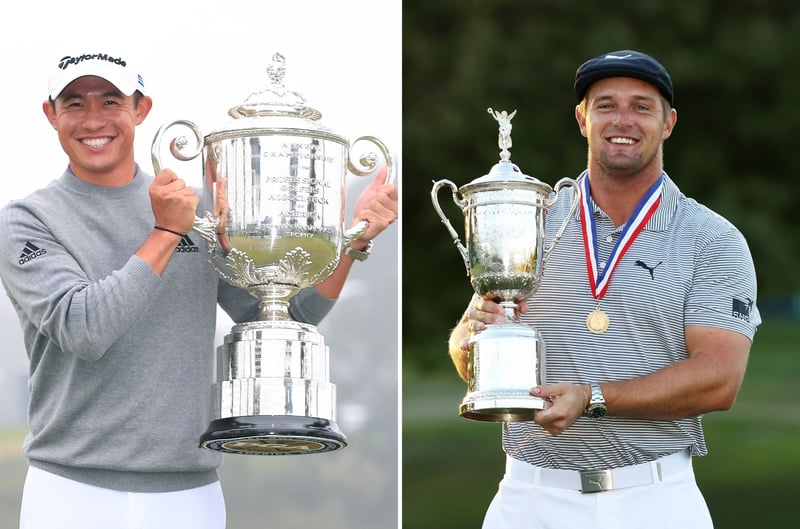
(30, 252)
(187, 246)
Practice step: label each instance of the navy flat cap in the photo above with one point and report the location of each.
(624, 63)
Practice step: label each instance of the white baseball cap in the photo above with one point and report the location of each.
(113, 68)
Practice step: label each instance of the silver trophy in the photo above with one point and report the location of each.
(504, 214)
(285, 174)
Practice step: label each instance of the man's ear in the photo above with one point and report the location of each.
(143, 108)
(669, 124)
(580, 117)
(50, 112)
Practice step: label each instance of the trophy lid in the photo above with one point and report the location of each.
(275, 110)
(505, 173)
(276, 99)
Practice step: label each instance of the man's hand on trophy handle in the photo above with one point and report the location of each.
(377, 205)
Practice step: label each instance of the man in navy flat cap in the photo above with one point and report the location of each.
(648, 309)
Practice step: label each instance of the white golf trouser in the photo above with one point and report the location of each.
(658, 495)
(53, 502)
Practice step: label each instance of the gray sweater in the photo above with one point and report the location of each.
(120, 358)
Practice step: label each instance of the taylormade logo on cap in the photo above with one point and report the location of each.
(112, 68)
(65, 62)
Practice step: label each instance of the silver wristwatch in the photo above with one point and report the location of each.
(358, 255)
(597, 403)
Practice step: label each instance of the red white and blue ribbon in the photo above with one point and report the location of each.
(600, 279)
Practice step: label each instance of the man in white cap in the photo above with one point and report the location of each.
(118, 323)
(648, 311)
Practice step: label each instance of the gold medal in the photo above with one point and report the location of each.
(600, 270)
(597, 321)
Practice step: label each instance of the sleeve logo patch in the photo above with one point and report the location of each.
(741, 309)
(30, 252)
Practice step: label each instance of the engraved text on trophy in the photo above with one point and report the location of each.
(284, 208)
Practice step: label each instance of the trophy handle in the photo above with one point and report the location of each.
(564, 182)
(177, 144)
(206, 226)
(435, 199)
(367, 162)
(366, 165)
(354, 232)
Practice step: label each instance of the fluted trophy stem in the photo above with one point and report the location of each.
(510, 310)
(273, 310)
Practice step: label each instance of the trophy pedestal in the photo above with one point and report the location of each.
(505, 361)
(274, 393)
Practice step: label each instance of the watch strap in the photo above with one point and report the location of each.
(597, 402)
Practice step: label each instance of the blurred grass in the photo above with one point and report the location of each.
(451, 466)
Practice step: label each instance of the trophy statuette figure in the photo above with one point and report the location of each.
(284, 175)
(504, 218)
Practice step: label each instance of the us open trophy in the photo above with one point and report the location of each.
(284, 174)
(504, 214)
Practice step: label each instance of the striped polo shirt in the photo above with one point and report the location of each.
(688, 266)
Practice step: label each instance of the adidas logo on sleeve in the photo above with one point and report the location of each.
(30, 252)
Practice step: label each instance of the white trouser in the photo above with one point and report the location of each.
(658, 495)
(53, 502)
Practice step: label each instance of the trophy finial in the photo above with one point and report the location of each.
(277, 69)
(275, 99)
(504, 138)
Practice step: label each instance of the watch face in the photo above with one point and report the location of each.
(596, 411)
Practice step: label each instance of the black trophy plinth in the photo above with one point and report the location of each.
(280, 435)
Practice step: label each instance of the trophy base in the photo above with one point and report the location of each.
(273, 435)
(501, 409)
(505, 362)
(274, 397)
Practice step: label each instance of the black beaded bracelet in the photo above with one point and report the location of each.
(179, 234)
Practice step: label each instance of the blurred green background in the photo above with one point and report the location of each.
(736, 69)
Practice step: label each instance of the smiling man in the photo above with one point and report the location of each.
(648, 309)
(118, 318)
(95, 114)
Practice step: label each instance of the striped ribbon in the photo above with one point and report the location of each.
(600, 279)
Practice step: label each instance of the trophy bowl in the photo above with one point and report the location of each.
(284, 175)
(504, 223)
